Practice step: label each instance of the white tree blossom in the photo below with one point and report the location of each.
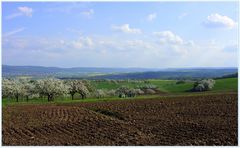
(51, 88)
(13, 88)
(100, 93)
(204, 85)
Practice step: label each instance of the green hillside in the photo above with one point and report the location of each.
(170, 86)
(112, 85)
(228, 84)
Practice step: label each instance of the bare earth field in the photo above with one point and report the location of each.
(190, 120)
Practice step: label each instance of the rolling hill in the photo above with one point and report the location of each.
(173, 74)
(115, 73)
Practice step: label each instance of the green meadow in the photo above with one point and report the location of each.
(169, 87)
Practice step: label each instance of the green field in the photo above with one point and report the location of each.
(168, 86)
(228, 84)
(221, 85)
(111, 85)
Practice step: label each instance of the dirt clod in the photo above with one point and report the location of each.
(190, 120)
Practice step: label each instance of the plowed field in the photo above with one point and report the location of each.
(191, 120)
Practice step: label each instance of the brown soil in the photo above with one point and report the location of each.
(198, 120)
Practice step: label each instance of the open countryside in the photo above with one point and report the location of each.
(120, 74)
(136, 112)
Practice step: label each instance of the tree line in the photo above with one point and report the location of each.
(51, 88)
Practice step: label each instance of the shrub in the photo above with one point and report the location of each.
(122, 91)
(150, 91)
(147, 86)
(199, 87)
(204, 85)
(180, 82)
(139, 92)
(131, 93)
(100, 93)
(111, 93)
(114, 82)
(122, 95)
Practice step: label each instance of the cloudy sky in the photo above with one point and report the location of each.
(120, 34)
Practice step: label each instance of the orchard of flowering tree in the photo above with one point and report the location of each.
(52, 88)
(49, 88)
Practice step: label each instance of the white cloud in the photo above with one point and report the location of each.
(27, 11)
(173, 42)
(21, 11)
(171, 51)
(151, 17)
(139, 44)
(168, 37)
(83, 42)
(219, 21)
(11, 16)
(88, 13)
(212, 54)
(126, 29)
(10, 33)
(182, 15)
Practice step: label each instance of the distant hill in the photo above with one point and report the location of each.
(173, 74)
(40, 71)
(116, 73)
(234, 75)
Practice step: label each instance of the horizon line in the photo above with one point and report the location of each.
(200, 67)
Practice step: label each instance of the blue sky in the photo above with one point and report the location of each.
(120, 34)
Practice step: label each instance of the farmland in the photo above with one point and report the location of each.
(179, 120)
(167, 87)
(172, 116)
(120, 74)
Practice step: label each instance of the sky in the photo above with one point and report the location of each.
(120, 34)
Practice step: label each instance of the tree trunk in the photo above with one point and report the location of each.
(51, 98)
(48, 98)
(82, 96)
(17, 98)
(27, 98)
(72, 96)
